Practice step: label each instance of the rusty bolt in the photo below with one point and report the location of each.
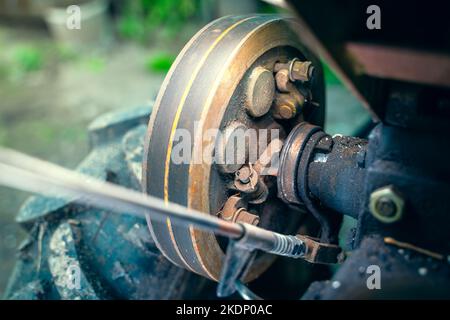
(386, 207)
(244, 174)
(282, 80)
(244, 216)
(230, 207)
(300, 70)
(260, 91)
(235, 210)
(386, 204)
(285, 107)
(286, 111)
(246, 179)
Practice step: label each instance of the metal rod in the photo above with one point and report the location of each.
(27, 173)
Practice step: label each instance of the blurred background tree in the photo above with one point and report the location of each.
(142, 18)
(160, 21)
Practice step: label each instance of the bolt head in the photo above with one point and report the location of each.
(246, 217)
(244, 174)
(282, 80)
(286, 112)
(284, 107)
(302, 70)
(260, 92)
(386, 207)
(386, 204)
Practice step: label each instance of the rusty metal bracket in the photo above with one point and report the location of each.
(319, 252)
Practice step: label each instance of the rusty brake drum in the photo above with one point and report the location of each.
(212, 85)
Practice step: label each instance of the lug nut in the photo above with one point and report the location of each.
(386, 204)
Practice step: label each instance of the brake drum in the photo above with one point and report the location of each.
(207, 88)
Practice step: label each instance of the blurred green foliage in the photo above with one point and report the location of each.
(95, 64)
(145, 20)
(159, 62)
(65, 53)
(27, 58)
(142, 17)
(19, 60)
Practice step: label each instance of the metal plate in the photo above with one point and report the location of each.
(201, 90)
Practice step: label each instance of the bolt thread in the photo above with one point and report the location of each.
(288, 246)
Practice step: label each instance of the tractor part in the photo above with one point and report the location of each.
(31, 174)
(224, 81)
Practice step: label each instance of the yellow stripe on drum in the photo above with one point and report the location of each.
(177, 118)
(152, 120)
(205, 109)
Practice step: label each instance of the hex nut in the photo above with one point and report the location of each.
(260, 92)
(386, 204)
(300, 70)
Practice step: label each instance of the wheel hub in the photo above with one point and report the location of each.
(227, 79)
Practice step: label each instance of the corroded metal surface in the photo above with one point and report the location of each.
(206, 87)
